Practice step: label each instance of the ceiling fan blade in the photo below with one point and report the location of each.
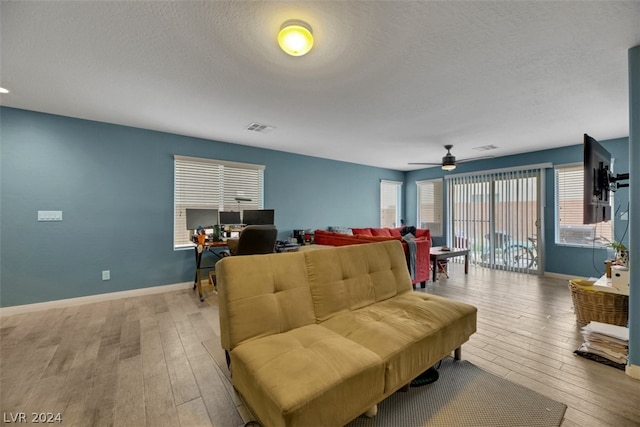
(450, 160)
(475, 158)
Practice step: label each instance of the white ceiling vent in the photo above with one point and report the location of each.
(257, 127)
(486, 148)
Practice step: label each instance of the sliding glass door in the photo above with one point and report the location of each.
(497, 215)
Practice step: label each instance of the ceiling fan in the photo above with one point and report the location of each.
(449, 160)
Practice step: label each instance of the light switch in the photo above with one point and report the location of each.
(49, 215)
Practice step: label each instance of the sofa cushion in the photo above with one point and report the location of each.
(396, 231)
(381, 232)
(356, 276)
(378, 238)
(410, 331)
(423, 233)
(271, 295)
(323, 370)
(361, 231)
(323, 237)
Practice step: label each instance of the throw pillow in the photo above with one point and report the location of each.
(381, 232)
(362, 231)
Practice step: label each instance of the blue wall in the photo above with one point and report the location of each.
(576, 261)
(114, 185)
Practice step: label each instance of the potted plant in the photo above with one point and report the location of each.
(622, 255)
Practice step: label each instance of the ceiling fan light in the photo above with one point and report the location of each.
(448, 162)
(295, 37)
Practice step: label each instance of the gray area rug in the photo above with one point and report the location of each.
(466, 395)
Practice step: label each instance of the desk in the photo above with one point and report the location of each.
(199, 250)
(437, 254)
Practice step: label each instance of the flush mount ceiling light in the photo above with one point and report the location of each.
(295, 37)
(3, 90)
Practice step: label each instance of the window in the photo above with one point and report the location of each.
(390, 203)
(569, 204)
(430, 205)
(213, 184)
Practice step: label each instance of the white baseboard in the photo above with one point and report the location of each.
(63, 303)
(566, 277)
(633, 371)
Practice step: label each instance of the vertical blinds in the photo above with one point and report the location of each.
(213, 184)
(390, 203)
(494, 214)
(430, 205)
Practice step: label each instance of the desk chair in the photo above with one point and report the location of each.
(253, 240)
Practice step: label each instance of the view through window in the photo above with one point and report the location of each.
(201, 183)
(390, 203)
(430, 205)
(569, 205)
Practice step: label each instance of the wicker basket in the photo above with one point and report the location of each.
(598, 306)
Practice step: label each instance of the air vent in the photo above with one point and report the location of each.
(486, 148)
(257, 127)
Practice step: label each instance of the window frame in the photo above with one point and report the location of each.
(575, 223)
(212, 173)
(385, 186)
(433, 183)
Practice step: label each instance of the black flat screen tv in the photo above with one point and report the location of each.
(258, 217)
(597, 182)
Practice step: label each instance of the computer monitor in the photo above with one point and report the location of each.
(258, 217)
(230, 218)
(205, 218)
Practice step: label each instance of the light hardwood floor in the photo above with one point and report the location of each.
(141, 361)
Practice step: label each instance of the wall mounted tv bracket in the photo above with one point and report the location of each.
(614, 180)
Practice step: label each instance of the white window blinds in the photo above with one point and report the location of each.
(213, 184)
(570, 229)
(390, 203)
(430, 206)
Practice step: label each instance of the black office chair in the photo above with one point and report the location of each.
(257, 239)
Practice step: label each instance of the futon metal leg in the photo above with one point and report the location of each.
(372, 412)
(457, 353)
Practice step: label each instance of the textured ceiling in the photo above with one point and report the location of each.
(386, 83)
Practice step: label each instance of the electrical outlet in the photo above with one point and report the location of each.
(106, 275)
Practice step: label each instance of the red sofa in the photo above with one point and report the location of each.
(369, 235)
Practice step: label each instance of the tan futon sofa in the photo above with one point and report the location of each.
(316, 338)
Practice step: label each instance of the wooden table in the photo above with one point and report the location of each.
(437, 254)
